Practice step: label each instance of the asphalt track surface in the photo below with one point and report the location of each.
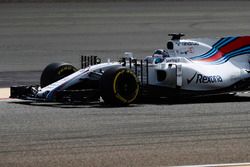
(201, 131)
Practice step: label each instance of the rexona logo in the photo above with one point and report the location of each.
(203, 79)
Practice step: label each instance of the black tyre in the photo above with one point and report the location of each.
(54, 72)
(119, 86)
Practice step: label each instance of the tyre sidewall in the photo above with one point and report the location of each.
(54, 72)
(109, 86)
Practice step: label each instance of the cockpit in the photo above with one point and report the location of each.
(158, 56)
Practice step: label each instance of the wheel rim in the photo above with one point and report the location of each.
(126, 86)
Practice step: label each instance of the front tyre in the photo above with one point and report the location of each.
(119, 86)
(54, 72)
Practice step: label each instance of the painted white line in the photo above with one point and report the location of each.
(219, 165)
(4, 93)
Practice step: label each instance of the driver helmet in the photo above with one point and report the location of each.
(160, 53)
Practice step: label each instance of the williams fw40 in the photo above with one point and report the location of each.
(185, 68)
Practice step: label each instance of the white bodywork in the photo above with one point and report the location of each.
(193, 65)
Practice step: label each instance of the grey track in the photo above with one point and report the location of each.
(197, 132)
(203, 131)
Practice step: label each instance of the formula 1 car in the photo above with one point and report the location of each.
(186, 68)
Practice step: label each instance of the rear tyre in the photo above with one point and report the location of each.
(119, 86)
(54, 72)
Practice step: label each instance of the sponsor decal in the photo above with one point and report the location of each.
(191, 79)
(173, 60)
(203, 79)
(186, 51)
(187, 43)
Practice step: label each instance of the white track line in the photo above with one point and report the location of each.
(220, 165)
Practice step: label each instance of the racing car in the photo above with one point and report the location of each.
(185, 68)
